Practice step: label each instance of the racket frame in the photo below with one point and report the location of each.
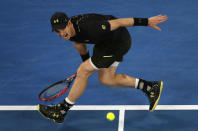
(69, 80)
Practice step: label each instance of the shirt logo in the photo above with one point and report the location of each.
(103, 27)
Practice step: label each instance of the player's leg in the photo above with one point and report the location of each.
(80, 83)
(152, 89)
(107, 76)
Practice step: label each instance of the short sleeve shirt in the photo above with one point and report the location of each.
(92, 28)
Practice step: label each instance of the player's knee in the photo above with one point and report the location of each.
(83, 71)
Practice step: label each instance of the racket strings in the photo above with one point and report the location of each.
(54, 90)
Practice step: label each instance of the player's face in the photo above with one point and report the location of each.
(67, 32)
(64, 33)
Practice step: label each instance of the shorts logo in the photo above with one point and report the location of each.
(103, 27)
(108, 56)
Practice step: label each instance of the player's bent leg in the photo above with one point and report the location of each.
(152, 89)
(58, 112)
(108, 77)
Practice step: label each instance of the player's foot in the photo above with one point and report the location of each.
(54, 112)
(153, 92)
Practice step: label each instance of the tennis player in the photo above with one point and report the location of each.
(112, 41)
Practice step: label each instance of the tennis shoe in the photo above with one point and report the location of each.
(153, 92)
(54, 112)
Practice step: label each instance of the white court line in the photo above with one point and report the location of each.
(121, 120)
(106, 107)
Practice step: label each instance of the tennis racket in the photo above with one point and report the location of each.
(57, 89)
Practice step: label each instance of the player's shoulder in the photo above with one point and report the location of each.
(86, 15)
(90, 17)
(83, 21)
(83, 17)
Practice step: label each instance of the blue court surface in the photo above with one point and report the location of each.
(32, 57)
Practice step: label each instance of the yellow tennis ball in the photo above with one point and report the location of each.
(110, 116)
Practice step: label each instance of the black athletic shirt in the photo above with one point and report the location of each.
(92, 28)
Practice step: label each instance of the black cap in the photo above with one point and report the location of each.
(59, 20)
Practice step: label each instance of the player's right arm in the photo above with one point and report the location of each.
(82, 49)
(125, 22)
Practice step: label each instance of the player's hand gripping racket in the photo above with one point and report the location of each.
(57, 89)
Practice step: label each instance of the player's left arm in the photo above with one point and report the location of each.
(82, 49)
(125, 22)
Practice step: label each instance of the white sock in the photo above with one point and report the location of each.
(68, 101)
(136, 82)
